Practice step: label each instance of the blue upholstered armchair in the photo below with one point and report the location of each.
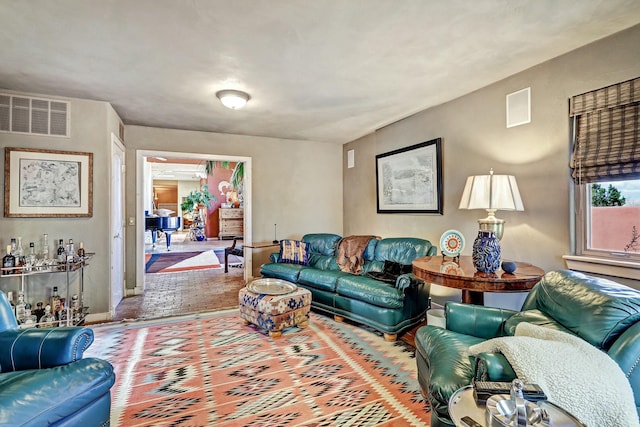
(44, 381)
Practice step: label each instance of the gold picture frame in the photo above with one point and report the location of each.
(47, 183)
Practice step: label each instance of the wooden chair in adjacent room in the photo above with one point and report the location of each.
(234, 249)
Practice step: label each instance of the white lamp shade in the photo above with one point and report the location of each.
(498, 192)
(233, 99)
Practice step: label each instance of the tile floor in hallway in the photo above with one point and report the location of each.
(173, 294)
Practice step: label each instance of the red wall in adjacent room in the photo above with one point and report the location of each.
(218, 174)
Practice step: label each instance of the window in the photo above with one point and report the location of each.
(605, 166)
(610, 219)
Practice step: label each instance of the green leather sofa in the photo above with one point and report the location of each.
(44, 379)
(603, 313)
(388, 308)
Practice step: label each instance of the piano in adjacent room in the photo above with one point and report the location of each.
(166, 224)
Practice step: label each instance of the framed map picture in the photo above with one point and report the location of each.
(409, 180)
(47, 183)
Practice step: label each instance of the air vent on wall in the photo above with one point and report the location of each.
(39, 116)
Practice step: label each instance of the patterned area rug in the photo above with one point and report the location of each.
(209, 369)
(181, 261)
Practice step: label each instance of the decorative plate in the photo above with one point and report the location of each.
(269, 286)
(452, 243)
(451, 268)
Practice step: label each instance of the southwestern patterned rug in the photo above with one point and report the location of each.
(209, 369)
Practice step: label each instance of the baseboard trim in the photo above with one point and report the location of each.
(129, 292)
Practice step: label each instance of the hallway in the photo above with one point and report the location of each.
(187, 292)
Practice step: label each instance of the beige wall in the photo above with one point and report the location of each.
(91, 124)
(295, 184)
(476, 139)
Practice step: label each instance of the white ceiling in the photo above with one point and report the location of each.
(330, 70)
(175, 170)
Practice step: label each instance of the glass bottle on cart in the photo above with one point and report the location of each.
(64, 311)
(8, 262)
(48, 320)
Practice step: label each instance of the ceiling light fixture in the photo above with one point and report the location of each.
(234, 99)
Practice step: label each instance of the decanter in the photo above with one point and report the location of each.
(28, 320)
(48, 320)
(20, 307)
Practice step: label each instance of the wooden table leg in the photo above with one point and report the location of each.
(472, 297)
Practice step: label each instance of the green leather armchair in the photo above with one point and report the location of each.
(603, 313)
(44, 380)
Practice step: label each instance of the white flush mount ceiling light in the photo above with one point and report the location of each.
(234, 99)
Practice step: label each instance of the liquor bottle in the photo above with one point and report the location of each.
(13, 306)
(55, 302)
(81, 252)
(31, 258)
(62, 313)
(70, 251)
(75, 308)
(14, 246)
(48, 320)
(28, 320)
(19, 254)
(39, 311)
(20, 307)
(19, 250)
(8, 262)
(45, 248)
(61, 258)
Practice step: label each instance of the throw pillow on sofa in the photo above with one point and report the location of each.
(294, 252)
(390, 272)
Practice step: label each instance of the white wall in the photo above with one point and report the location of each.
(476, 139)
(295, 184)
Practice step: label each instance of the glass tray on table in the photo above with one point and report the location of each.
(270, 286)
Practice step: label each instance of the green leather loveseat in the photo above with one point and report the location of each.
(601, 312)
(387, 307)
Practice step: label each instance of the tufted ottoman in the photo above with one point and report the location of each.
(276, 311)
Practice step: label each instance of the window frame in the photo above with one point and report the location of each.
(582, 211)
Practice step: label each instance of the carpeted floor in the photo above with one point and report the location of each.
(209, 369)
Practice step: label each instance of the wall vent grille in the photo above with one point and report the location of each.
(37, 116)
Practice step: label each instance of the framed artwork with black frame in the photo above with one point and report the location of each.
(47, 183)
(409, 180)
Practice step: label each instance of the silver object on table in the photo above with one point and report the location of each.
(270, 286)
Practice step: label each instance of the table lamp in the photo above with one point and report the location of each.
(491, 192)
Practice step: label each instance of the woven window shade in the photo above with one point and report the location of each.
(606, 142)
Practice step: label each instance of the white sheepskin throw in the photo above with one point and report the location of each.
(573, 374)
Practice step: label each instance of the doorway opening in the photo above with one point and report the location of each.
(164, 182)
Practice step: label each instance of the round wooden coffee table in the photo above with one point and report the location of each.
(462, 274)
